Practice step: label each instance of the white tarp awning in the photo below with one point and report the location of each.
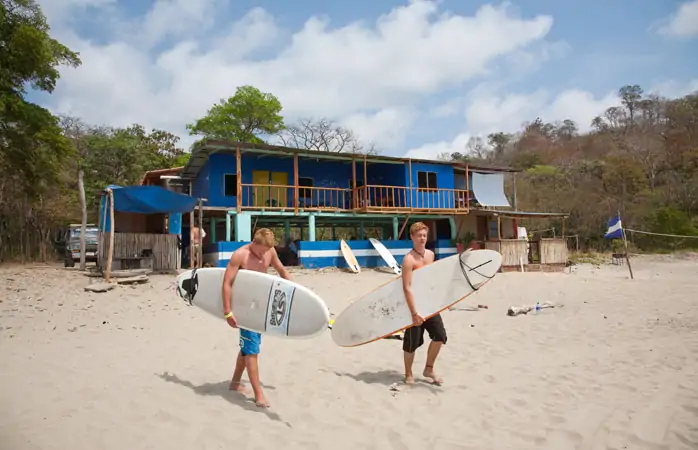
(488, 189)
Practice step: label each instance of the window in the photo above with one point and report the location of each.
(307, 182)
(230, 185)
(426, 180)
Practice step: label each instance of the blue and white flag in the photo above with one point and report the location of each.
(615, 229)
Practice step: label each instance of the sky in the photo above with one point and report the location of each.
(414, 77)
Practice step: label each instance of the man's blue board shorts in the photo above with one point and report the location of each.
(250, 342)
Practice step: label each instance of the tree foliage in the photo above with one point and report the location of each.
(244, 117)
(640, 158)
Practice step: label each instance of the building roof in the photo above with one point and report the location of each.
(155, 174)
(201, 151)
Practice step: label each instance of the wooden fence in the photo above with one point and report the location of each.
(166, 255)
(553, 251)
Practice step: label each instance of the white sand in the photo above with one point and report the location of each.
(135, 368)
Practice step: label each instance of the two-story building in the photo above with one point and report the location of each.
(317, 198)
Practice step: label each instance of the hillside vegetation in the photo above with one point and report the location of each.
(640, 158)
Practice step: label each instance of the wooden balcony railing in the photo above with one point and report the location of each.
(280, 197)
(365, 198)
(401, 198)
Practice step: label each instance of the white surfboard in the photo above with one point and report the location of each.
(349, 257)
(261, 302)
(437, 286)
(386, 255)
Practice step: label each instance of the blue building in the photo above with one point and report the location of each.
(317, 198)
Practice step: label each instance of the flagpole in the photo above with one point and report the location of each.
(625, 242)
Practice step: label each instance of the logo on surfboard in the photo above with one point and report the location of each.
(278, 308)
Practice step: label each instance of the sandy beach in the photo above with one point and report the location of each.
(136, 368)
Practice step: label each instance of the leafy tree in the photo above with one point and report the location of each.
(32, 148)
(242, 117)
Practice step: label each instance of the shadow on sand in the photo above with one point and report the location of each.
(388, 378)
(221, 390)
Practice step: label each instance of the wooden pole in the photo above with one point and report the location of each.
(295, 184)
(499, 227)
(103, 229)
(111, 234)
(354, 200)
(191, 242)
(238, 176)
(627, 257)
(365, 185)
(409, 175)
(200, 250)
(467, 188)
(402, 229)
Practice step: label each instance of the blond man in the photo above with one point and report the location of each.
(418, 257)
(257, 255)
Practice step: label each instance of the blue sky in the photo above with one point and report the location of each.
(415, 83)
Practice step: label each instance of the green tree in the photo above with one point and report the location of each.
(242, 117)
(32, 147)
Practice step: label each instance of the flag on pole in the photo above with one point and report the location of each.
(615, 229)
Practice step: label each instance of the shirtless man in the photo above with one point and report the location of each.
(196, 235)
(257, 255)
(418, 257)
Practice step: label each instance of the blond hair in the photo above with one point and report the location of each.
(265, 237)
(418, 226)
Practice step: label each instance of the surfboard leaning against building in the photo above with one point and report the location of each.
(418, 257)
(258, 255)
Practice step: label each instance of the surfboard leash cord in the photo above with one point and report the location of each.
(464, 266)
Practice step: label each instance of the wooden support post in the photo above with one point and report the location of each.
(103, 230)
(467, 187)
(409, 187)
(402, 229)
(295, 184)
(354, 200)
(238, 173)
(110, 193)
(365, 185)
(499, 227)
(191, 242)
(200, 251)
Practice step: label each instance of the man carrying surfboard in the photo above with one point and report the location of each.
(418, 257)
(257, 255)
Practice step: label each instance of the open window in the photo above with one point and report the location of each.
(230, 185)
(426, 180)
(305, 182)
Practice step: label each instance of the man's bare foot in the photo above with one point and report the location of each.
(238, 387)
(409, 379)
(429, 373)
(261, 402)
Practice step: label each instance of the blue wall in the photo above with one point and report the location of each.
(444, 180)
(320, 254)
(328, 173)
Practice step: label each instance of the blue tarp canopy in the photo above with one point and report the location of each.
(150, 200)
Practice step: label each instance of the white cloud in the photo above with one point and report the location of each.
(489, 111)
(683, 23)
(167, 68)
(674, 89)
